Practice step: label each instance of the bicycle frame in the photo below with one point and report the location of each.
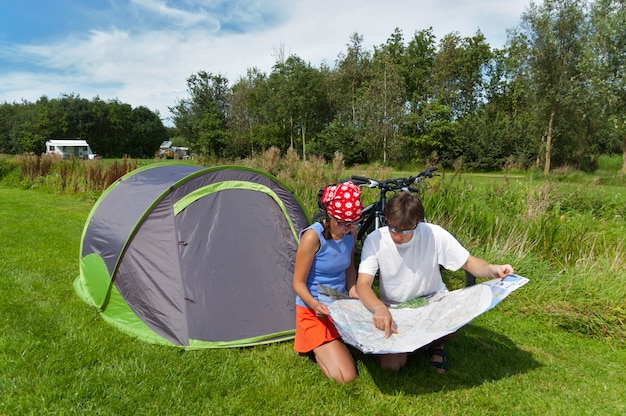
(373, 214)
(374, 218)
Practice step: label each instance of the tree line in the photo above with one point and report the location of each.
(554, 95)
(112, 128)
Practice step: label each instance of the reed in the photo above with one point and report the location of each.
(74, 176)
(575, 231)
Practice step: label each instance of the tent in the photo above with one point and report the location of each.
(193, 257)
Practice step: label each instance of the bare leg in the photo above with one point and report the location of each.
(392, 361)
(335, 361)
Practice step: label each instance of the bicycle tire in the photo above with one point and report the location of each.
(368, 224)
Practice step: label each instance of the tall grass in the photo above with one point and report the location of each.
(577, 232)
(570, 227)
(90, 177)
(305, 178)
(87, 178)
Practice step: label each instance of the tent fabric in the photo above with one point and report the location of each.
(195, 257)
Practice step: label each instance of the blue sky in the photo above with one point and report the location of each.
(142, 51)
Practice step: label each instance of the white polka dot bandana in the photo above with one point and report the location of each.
(343, 201)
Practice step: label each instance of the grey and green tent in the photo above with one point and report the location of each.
(194, 257)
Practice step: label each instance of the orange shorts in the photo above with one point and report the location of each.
(311, 331)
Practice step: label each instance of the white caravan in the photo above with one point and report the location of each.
(67, 147)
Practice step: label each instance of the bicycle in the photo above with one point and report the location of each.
(373, 217)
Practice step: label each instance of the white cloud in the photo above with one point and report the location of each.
(179, 17)
(149, 66)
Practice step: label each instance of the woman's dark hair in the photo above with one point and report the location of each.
(404, 210)
(323, 218)
(326, 223)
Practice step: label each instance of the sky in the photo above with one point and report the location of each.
(141, 52)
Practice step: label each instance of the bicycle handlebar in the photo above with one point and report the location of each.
(363, 181)
(396, 183)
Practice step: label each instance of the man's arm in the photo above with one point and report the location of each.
(481, 268)
(381, 316)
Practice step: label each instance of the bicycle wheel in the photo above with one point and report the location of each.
(368, 224)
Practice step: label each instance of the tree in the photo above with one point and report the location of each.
(608, 67)
(459, 84)
(504, 126)
(382, 102)
(417, 67)
(474, 61)
(7, 118)
(119, 140)
(201, 118)
(243, 114)
(434, 127)
(107, 126)
(554, 34)
(347, 79)
(344, 85)
(147, 132)
(299, 100)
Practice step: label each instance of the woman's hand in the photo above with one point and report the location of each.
(321, 310)
(353, 293)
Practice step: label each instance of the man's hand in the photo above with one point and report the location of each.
(500, 270)
(382, 320)
(481, 268)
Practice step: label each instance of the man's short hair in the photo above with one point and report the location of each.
(404, 210)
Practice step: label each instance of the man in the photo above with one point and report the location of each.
(408, 254)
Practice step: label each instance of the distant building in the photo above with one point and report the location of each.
(167, 151)
(67, 148)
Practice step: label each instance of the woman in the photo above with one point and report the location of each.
(325, 256)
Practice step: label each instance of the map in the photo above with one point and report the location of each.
(418, 323)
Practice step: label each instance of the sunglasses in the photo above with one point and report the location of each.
(346, 223)
(399, 231)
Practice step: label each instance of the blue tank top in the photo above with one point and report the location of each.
(329, 264)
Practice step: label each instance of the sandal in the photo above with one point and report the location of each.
(440, 366)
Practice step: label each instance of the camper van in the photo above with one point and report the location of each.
(66, 148)
(167, 151)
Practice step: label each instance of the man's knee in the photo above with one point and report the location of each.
(392, 362)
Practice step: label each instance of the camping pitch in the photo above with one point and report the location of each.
(194, 257)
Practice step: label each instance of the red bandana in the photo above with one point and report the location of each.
(343, 201)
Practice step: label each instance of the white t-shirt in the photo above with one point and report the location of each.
(411, 270)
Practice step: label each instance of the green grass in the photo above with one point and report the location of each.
(610, 163)
(556, 346)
